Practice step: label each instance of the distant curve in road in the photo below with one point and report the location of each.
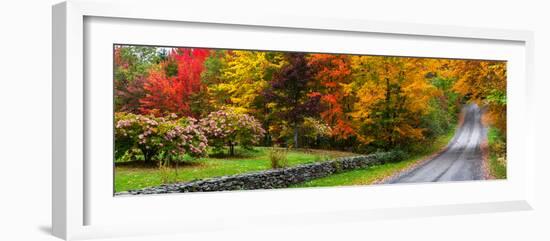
(460, 161)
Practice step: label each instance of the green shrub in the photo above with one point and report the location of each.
(165, 173)
(497, 153)
(391, 156)
(278, 157)
(497, 142)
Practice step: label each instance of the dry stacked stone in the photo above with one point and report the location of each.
(269, 179)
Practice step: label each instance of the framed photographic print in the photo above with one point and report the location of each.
(265, 119)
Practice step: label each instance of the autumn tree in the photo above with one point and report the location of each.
(482, 82)
(244, 75)
(127, 98)
(333, 73)
(290, 93)
(241, 78)
(131, 67)
(173, 94)
(332, 100)
(443, 107)
(393, 94)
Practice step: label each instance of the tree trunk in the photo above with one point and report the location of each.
(231, 149)
(177, 165)
(147, 155)
(267, 136)
(295, 135)
(387, 114)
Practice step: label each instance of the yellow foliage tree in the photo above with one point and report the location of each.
(244, 76)
(482, 82)
(393, 93)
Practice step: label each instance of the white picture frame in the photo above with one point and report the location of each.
(75, 201)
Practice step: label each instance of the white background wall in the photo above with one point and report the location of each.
(25, 119)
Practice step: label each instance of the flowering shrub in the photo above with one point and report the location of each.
(136, 136)
(167, 138)
(183, 136)
(155, 138)
(226, 127)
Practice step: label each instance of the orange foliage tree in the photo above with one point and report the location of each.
(482, 82)
(393, 93)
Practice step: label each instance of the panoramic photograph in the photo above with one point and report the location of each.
(192, 119)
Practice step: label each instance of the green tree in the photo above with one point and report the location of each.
(132, 64)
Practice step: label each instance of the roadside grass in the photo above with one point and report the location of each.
(136, 175)
(497, 150)
(379, 172)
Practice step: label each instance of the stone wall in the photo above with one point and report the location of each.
(275, 178)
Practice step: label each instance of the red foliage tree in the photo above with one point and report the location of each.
(333, 73)
(167, 93)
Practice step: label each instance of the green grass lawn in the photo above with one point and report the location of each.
(378, 172)
(135, 175)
